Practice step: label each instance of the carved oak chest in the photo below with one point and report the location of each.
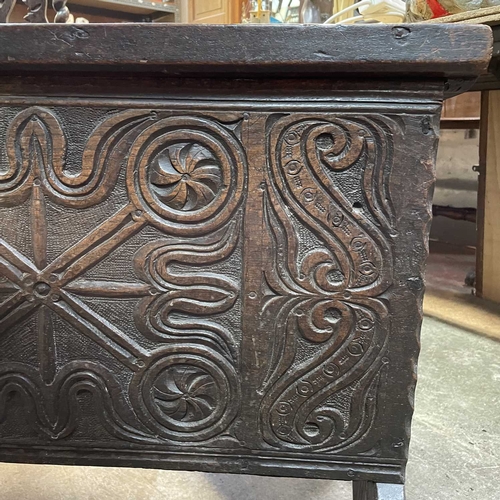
(212, 242)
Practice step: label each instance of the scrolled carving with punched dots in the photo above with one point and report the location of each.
(336, 286)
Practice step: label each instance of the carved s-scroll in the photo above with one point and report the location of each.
(307, 153)
(198, 294)
(333, 289)
(36, 149)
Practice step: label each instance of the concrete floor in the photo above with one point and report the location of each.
(455, 449)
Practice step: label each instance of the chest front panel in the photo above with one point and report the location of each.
(211, 288)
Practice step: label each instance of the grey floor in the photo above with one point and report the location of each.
(455, 450)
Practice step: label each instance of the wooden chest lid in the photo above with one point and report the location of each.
(252, 51)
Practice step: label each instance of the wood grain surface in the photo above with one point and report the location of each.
(250, 50)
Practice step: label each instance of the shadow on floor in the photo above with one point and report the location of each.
(449, 299)
(234, 487)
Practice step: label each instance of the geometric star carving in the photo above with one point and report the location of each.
(46, 288)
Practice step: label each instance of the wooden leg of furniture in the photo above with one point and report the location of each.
(368, 490)
(487, 270)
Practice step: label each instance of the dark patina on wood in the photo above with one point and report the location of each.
(204, 272)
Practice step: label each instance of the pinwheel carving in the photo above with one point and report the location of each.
(186, 393)
(186, 176)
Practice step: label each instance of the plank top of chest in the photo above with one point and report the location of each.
(383, 51)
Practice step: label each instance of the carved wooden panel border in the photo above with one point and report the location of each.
(223, 284)
(181, 178)
(333, 289)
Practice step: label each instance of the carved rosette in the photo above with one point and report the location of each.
(185, 392)
(190, 394)
(185, 175)
(332, 293)
(186, 187)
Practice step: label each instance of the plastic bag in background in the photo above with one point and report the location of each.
(315, 11)
(421, 10)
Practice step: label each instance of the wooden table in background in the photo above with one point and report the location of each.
(488, 206)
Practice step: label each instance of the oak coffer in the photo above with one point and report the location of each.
(212, 242)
